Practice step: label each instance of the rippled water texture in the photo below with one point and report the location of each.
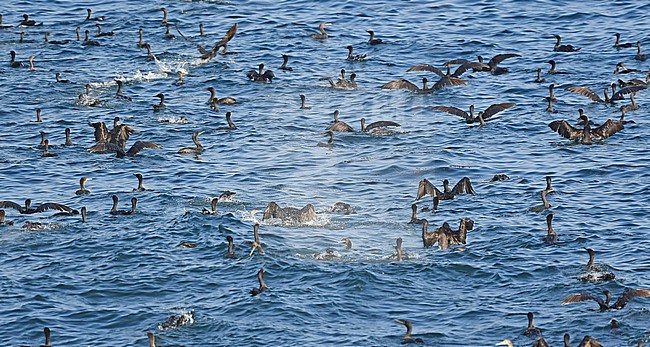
(111, 280)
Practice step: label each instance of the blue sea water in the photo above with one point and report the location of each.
(111, 280)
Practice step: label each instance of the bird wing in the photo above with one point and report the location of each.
(496, 108)
(448, 81)
(609, 128)
(427, 188)
(501, 57)
(340, 126)
(381, 124)
(226, 38)
(565, 129)
(140, 145)
(630, 294)
(469, 65)
(463, 186)
(627, 90)
(582, 297)
(101, 132)
(11, 204)
(455, 62)
(426, 67)
(103, 147)
(452, 110)
(401, 84)
(55, 206)
(202, 50)
(584, 91)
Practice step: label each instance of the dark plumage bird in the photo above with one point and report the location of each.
(58, 78)
(322, 34)
(594, 273)
(285, 60)
(54, 42)
(259, 76)
(101, 33)
(492, 64)
(617, 44)
(414, 218)
(372, 40)
(82, 189)
(140, 187)
(377, 126)
(222, 101)
(620, 303)
(3, 221)
(88, 41)
(449, 79)
(231, 246)
(339, 125)
(352, 57)
(563, 48)
(115, 211)
(209, 54)
(639, 56)
(544, 206)
(551, 236)
(231, 125)
(552, 70)
(586, 135)
(409, 86)
(161, 105)
(193, 150)
(464, 186)
(26, 22)
(46, 150)
(302, 103)
(41, 208)
(257, 244)
(262, 286)
(97, 19)
(13, 62)
(531, 330)
(622, 69)
(46, 332)
(539, 78)
(118, 92)
(481, 117)
(409, 329)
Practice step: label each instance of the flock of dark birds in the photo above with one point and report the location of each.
(583, 131)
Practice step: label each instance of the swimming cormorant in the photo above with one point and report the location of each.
(302, 103)
(97, 19)
(26, 22)
(372, 40)
(115, 211)
(140, 187)
(46, 332)
(257, 244)
(55, 42)
(531, 331)
(262, 287)
(414, 219)
(545, 205)
(552, 71)
(563, 48)
(46, 151)
(223, 101)
(492, 64)
(164, 18)
(193, 150)
(551, 236)
(231, 246)
(160, 106)
(101, 33)
(408, 86)
(617, 44)
(3, 221)
(321, 28)
(376, 126)
(83, 214)
(13, 62)
(539, 78)
(595, 273)
(285, 60)
(231, 125)
(118, 93)
(82, 190)
(87, 41)
(639, 56)
(409, 328)
(352, 57)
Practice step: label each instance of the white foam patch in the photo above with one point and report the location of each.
(173, 120)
